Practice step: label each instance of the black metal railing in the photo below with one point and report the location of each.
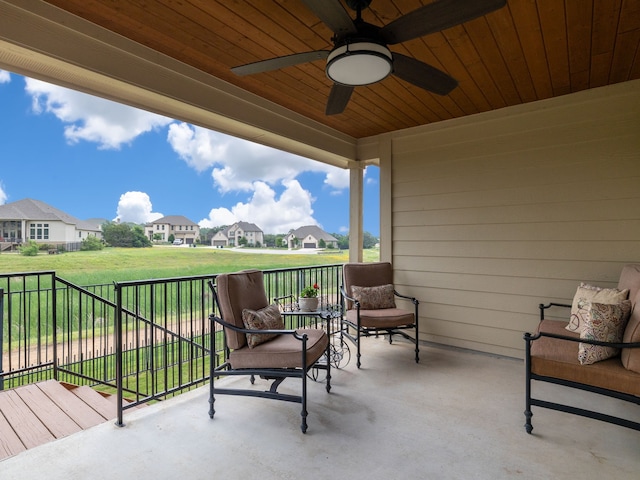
(143, 340)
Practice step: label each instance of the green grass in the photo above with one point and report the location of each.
(121, 264)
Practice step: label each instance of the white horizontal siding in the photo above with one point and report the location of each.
(495, 213)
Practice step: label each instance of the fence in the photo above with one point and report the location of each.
(144, 340)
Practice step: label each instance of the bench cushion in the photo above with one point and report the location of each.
(559, 359)
(631, 356)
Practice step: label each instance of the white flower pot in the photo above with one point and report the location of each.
(308, 304)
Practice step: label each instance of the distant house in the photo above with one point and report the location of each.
(177, 225)
(30, 219)
(309, 237)
(230, 236)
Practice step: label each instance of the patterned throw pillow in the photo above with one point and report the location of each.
(268, 318)
(605, 323)
(374, 298)
(589, 293)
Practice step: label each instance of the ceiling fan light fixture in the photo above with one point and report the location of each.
(359, 63)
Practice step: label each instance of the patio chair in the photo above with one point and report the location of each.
(256, 343)
(368, 299)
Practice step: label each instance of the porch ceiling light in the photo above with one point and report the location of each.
(360, 63)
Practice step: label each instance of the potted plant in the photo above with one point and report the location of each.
(308, 300)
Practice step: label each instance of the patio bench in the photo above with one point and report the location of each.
(556, 355)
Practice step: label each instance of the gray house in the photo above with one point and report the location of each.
(309, 236)
(177, 225)
(30, 219)
(230, 236)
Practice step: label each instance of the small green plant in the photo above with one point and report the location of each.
(91, 243)
(310, 292)
(30, 249)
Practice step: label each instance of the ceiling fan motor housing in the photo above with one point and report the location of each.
(359, 63)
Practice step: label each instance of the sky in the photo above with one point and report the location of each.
(93, 158)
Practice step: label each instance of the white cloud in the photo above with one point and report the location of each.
(237, 164)
(3, 195)
(90, 118)
(135, 207)
(292, 210)
(5, 77)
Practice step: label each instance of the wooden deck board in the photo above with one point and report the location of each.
(96, 401)
(50, 414)
(25, 423)
(73, 406)
(41, 412)
(10, 443)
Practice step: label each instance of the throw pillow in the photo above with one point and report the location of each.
(268, 318)
(605, 323)
(374, 298)
(589, 293)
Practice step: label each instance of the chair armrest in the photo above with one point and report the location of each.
(219, 320)
(414, 300)
(532, 337)
(544, 307)
(343, 292)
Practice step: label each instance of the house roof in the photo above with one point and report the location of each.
(523, 52)
(315, 231)
(36, 210)
(173, 220)
(246, 227)
(30, 209)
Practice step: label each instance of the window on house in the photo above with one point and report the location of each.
(39, 231)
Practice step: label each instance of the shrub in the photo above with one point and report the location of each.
(91, 243)
(29, 249)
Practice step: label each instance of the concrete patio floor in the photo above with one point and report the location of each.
(456, 415)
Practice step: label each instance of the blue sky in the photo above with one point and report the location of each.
(93, 158)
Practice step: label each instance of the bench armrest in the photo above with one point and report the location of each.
(529, 337)
(544, 307)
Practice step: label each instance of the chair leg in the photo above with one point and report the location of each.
(212, 399)
(303, 413)
(358, 348)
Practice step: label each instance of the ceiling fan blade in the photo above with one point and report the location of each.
(338, 99)
(333, 15)
(435, 17)
(280, 62)
(422, 75)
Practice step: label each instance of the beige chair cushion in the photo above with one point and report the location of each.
(237, 291)
(374, 298)
(284, 351)
(386, 318)
(268, 318)
(366, 275)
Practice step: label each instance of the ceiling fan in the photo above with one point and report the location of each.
(360, 55)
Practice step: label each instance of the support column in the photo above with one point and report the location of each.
(386, 187)
(356, 205)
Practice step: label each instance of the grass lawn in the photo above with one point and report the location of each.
(120, 264)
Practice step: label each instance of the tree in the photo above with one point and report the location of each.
(124, 235)
(368, 240)
(322, 243)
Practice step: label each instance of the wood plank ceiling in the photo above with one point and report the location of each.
(529, 50)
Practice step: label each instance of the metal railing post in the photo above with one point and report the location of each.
(1, 337)
(118, 344)
(54, 321)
